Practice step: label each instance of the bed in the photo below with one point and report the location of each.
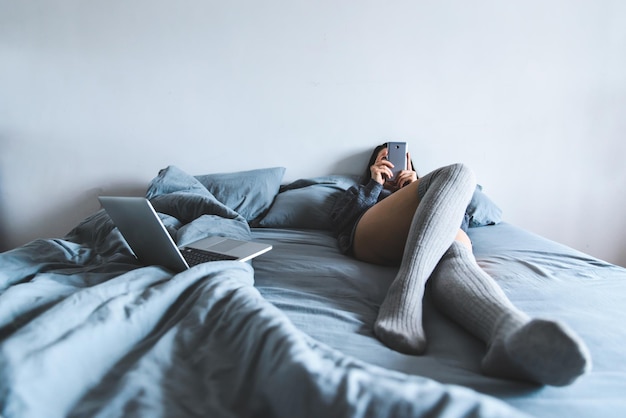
(87, 331)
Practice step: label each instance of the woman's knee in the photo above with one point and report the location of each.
(458, 176)
(463, 173)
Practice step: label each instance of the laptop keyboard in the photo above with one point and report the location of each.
(194, 256)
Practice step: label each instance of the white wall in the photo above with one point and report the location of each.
(97, 96)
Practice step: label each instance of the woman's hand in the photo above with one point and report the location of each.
(381, 172)
(381, 169)
(404, 177)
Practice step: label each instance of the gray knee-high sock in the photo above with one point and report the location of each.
(444, 195)
(537, 350)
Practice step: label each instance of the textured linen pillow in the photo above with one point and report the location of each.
(249, 193)
(482, 210)
(306, 203)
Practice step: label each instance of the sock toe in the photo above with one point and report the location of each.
(550, 352)
(541, 351)
(407, 343)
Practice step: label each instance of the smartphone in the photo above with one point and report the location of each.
(396, 154)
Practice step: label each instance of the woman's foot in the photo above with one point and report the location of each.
(540, 351)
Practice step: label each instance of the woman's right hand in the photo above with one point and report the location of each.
(381, 169)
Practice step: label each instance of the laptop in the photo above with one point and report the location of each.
(146, 235)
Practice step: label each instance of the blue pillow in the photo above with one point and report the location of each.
(482, 211)
(306, 203)
(249, 193)
(172, 179)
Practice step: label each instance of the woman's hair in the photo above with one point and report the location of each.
(367, 174)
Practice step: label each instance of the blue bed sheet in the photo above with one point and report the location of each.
(334, 299)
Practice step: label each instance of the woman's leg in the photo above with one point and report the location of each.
(381, 233)
(540, 351)
(442, 197)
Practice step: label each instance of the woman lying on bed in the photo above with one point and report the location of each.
(414, 223)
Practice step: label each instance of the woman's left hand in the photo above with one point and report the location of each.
(404, 177)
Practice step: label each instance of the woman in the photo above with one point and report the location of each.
(414, 223)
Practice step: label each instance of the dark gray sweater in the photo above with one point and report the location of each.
(350, 206)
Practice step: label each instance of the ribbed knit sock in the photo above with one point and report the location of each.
(444, 195)
(536, 350)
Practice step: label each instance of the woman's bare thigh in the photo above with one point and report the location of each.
(381, 233)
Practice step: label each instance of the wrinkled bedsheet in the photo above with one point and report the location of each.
(85, 330)
(337, 302)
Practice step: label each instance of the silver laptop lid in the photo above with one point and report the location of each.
(144, 232)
